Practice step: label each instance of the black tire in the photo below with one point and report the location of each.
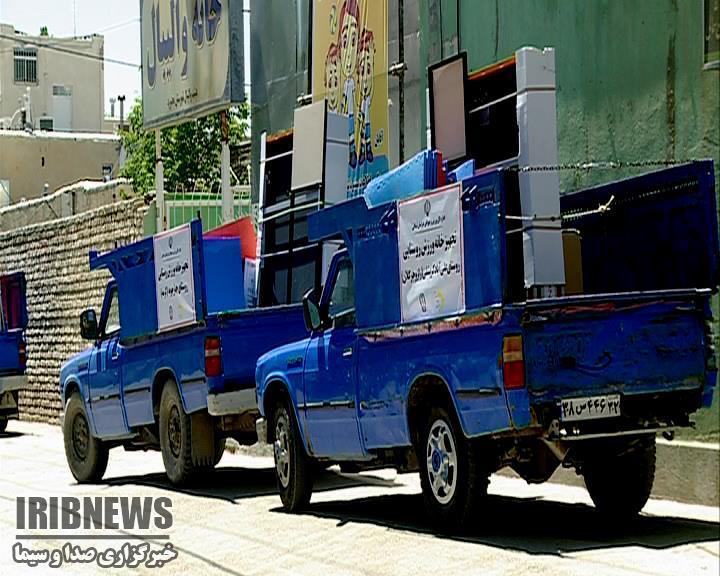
(293, 467)
(453, 488)
(175, 436)
(619, 477)
(219, 450)
(3, 424)
(86, 455)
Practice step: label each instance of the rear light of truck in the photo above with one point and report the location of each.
(213, 359)
(513, 363)
(22, 353)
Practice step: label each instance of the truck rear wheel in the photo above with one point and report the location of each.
(175, 436)
(86, 455)
(619, 476)
(293, 468)
(3, 424)
(451, 479)
(219, 450)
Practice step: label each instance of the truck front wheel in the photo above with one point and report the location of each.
(86, 455)
(175, 436)
(619, 476)
(293, 468)
(452, 483)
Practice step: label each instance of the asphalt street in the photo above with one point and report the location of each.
(231, 522)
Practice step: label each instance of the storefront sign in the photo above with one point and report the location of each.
(192, 58)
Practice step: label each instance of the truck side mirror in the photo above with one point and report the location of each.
(89, 325)
(311, 311)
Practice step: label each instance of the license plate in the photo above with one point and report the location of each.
(590, 407)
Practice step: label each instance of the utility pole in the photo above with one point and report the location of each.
(227, 199)
(159, 182)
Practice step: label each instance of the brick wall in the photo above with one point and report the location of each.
(54, 258)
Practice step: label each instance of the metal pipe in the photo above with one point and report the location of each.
(401, 79)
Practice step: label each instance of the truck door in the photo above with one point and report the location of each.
(330, 371)
(105, 374)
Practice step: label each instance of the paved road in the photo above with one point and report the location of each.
(356, 524)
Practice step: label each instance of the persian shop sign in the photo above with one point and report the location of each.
(192, 58)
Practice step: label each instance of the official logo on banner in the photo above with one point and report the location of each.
(431, 251)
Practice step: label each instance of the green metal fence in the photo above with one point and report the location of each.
(181, 207)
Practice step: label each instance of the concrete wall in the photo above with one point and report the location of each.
(84, 76)
(54, 258)
(68, 201)
(630, 78)
(31, 160)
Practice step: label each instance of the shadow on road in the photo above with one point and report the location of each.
(526, 524)
(232, 483)
(11, 434)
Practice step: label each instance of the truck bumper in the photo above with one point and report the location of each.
(261, 429)
(10, 383)
(9, 387)
(236, 402)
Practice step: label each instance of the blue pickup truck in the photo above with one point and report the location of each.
(585, 381)
(13, 357)
(172, 360)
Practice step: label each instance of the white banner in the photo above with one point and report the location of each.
(174, 278)
(430, 246)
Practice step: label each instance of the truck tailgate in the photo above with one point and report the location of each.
(247, 335)
(627, 344)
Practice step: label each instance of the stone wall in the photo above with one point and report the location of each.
(54, 258)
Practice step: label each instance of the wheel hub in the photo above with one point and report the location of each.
(174, 432)
(441, 461)
(80, 436)
(281, 449)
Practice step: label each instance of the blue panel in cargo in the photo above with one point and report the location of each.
(223, 274)
(668, 217)
(484, 240)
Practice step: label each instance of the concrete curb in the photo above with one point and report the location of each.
(687, 472)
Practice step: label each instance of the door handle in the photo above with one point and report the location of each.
(115, 354)
(348, 352)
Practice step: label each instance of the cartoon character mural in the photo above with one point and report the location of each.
(349, 32)
(332, 77)
(350, 72)
(366, 75)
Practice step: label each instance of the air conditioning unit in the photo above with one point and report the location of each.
(46, 123)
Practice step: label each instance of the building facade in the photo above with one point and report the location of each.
(61, 77)
(636, 81)
(33, 164)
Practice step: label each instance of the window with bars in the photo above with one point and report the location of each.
(25, 65)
